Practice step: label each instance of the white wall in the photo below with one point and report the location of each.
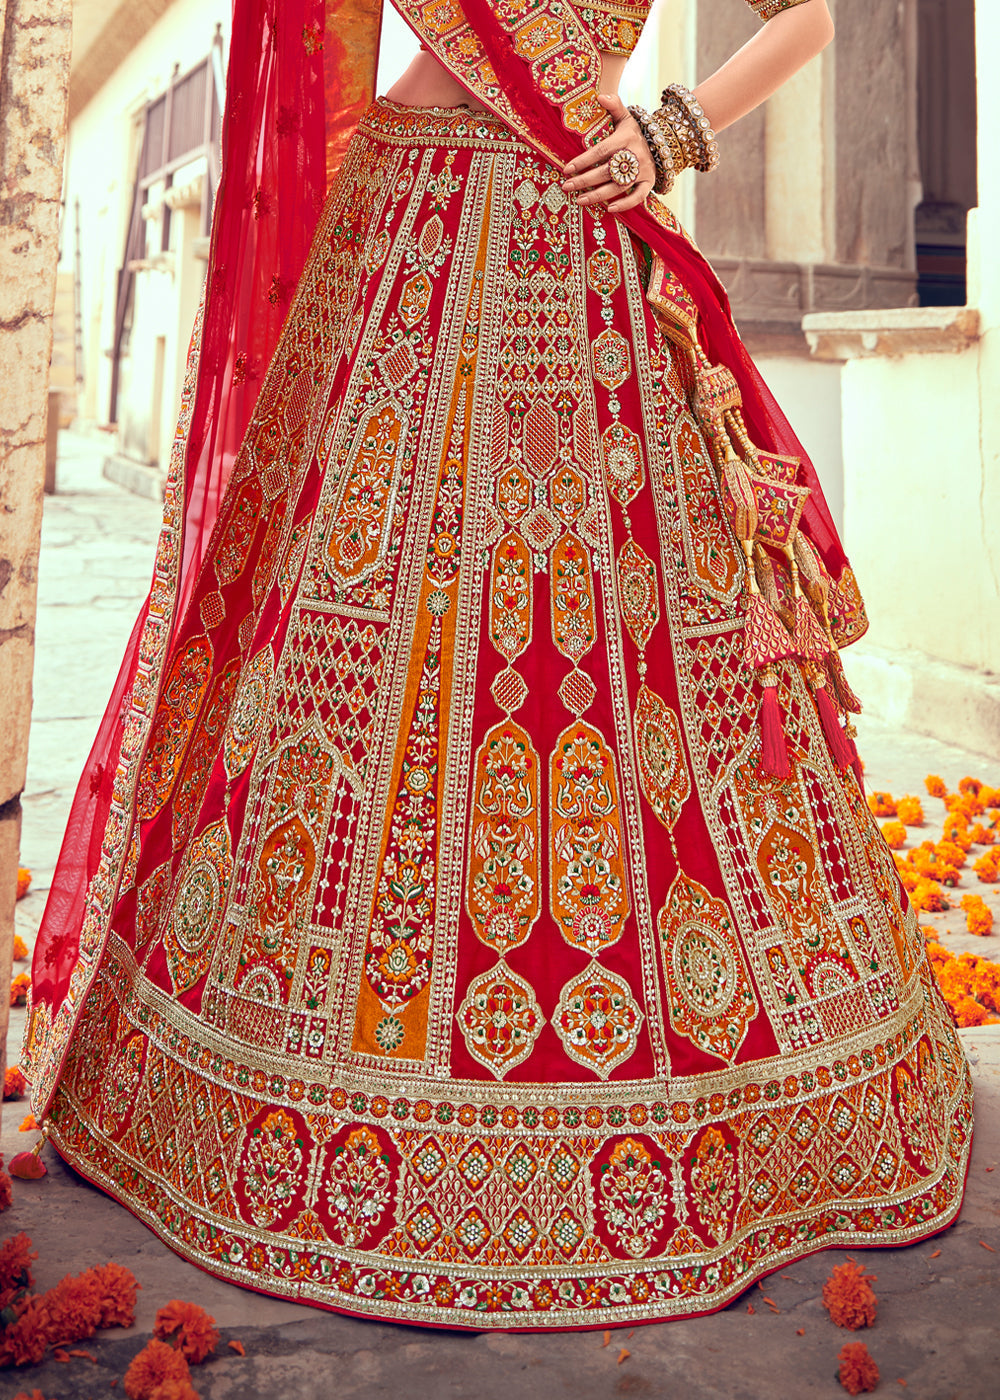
(99, 162)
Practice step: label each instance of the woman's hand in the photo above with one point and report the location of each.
(589, 172)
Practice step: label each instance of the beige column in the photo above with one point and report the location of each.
(34, 77)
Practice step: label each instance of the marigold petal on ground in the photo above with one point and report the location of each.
(927, 895)
(19, 989)
(978, 915)
(987, 867)
(858, 1371)
(14, 1083)
(30, 1124)
(20, 948)
(882, 804)
(895, 835)
(910, 811)
(156, 1364)
(189, 1328)
(848, 1296)
(23, 881)
(935, 786)
(6, 1194)
(118, 1294)
(16, 1255)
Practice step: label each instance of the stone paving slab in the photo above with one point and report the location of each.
(937, 1322)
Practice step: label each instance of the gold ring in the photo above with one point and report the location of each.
(623, 167)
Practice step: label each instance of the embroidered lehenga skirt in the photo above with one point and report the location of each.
(468, 969)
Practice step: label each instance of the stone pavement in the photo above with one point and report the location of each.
(937, 1322)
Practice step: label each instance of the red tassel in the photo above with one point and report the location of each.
(773, 745)
(842, 751)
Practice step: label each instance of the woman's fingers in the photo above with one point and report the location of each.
(595, 155)
(635, 196)
(587, 179)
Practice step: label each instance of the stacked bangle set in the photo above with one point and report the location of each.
(679, 136)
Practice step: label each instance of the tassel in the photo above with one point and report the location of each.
(773, 745)
(766, 638)
(846, 698)
(842, 751)
(810, 641)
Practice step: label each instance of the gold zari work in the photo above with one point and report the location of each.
(465, 968)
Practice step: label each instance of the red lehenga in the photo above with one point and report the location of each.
(442, 932)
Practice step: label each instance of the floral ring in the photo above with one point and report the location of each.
(623, 167)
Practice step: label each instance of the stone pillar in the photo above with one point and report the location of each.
(815, 208)
(34, 78)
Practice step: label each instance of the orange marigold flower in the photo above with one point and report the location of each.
(29, 1124)
(895, 835)
(858, 1371)
(6, 1194)
(968, 1012)
(189, 1328)
(156, 1364)
(118, 1292)
(987, 867)
(881, 804)
(19, 989)
(982, 835)
(937, 953)
(20, 948)
(978, 915)
(16, 1277)
(910, 811)
(848, 1296)
(970, 786)
(14, 1083)
(74, 1307)
(935, 785)
(927, 895)
(25, 1342)
(951, 853)
(23, 881)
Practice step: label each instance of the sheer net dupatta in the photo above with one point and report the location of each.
(301, 72)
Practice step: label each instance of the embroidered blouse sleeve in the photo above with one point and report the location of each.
(767, 9)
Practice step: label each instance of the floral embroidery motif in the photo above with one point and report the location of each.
(598, 1021)
(574, 626)
(639, 596)
(623, 462)
(500, 1020)
(589, 898)
(503, 880)
(611, 358)
(510, 597)
(196, 914)
(634, 1196)
(247, 717)
(183, 693)
(708, 544)
(356, 536)
(272, 1167)
(357, 1186)
(713, 1182)
(711, 1001)
(663, 770)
